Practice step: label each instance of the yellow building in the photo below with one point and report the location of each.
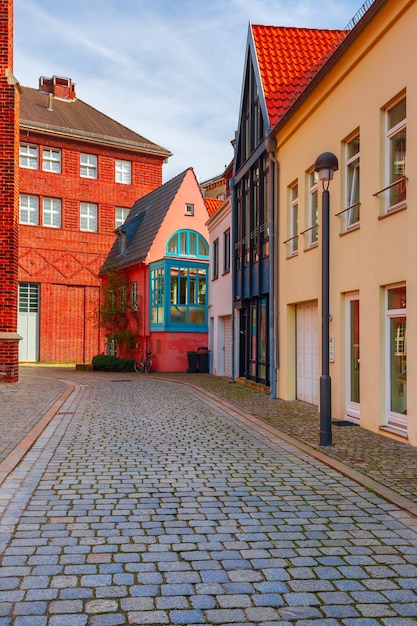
(361, 106)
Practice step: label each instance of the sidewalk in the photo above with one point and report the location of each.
(380, 463)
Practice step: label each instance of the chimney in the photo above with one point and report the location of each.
(58, 86)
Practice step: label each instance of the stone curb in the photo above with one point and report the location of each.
(23, 447)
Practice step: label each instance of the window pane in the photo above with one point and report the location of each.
(51, 160)
(398, 359)
(183, 243)
(29, 209)
(173, 245)
(88, 165)
(202, 247)
(88, 216)
(121, 215)
(123, 172)
(52, 212)
(29, 156)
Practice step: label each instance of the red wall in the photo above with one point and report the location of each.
(9, 119)
(66, 261)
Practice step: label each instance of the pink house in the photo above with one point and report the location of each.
(157, 275)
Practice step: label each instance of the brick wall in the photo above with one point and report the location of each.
(9, 119)
(66, 261)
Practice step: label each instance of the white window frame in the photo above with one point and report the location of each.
(391, 165)
(292, 242)
(123, 172)
(352, 408)
(88, 165)
(29, 156)
(29, 204)
(51, 160)
(120, 216)
(312, 231)
(52, 212)
(189, 208)
(88, 217)
(352, 198)
(394, 421)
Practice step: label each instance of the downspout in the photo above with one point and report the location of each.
(232, 237)
(271, 145)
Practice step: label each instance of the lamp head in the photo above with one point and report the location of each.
(326, 164)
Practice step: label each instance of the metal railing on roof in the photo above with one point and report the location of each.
(359, 14)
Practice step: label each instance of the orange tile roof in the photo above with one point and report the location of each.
(212, 205)
(288, 59)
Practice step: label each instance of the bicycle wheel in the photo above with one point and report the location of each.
(149, 366)
(139, 367)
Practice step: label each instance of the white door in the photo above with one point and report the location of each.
(353, 358)
(28, 322)
(307, 353)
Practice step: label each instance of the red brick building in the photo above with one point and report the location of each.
(80, 172)
(9, 120)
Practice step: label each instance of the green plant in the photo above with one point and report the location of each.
(108, 363)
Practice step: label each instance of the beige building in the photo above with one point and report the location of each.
(362, 107)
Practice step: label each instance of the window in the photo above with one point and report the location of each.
(88, 216)
(179, 295)
(158, 296)
(121, 215)
(52, 212)
(123, 172)
(215, 260)
(189, 209)
(187, 243)
(122, 234)
(134, 296)
(29, 209)
(351, 211)
(292, 241)
(312, 231)
(396, 328)
(28, 298)
(51, 160)
(396, 153)
(88, 166)
(226, 251)
(29, 156)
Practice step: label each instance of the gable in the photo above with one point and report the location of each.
(280, 63)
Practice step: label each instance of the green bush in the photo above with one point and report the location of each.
(107, 363)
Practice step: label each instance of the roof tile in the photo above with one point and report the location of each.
(288, 58)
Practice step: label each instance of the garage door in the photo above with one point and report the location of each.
(307, 353)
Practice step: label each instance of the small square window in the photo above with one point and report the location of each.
(88, 166)
(52, 212)
(29, 209)
(123, 172)
(88, 217)
(51, 160)
(189, 209)
(29, 156)
(121, 215)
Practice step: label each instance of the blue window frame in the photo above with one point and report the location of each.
(179, 296)
(187, 243)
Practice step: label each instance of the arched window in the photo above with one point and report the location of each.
(187, 243)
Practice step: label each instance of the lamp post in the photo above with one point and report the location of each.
(326, 164)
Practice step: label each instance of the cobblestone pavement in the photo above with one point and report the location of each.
(145, 502)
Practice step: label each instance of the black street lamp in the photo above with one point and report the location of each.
(326, 164)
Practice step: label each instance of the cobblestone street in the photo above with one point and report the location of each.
(143, 503)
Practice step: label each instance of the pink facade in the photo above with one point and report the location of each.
(162, 251)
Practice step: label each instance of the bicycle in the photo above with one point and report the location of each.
(145, 364)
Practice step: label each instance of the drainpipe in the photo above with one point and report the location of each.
(271, 145)
(232, 258)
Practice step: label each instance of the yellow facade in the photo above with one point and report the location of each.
(363, 93)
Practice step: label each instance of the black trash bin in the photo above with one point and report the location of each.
(203, 360)
(192, 362)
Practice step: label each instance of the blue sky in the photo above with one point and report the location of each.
(170, 70)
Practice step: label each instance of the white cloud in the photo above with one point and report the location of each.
(170, 70)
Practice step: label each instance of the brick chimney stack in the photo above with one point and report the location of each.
(58, 86)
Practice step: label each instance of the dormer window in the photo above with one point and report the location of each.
(189, 209)
(122, 241)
